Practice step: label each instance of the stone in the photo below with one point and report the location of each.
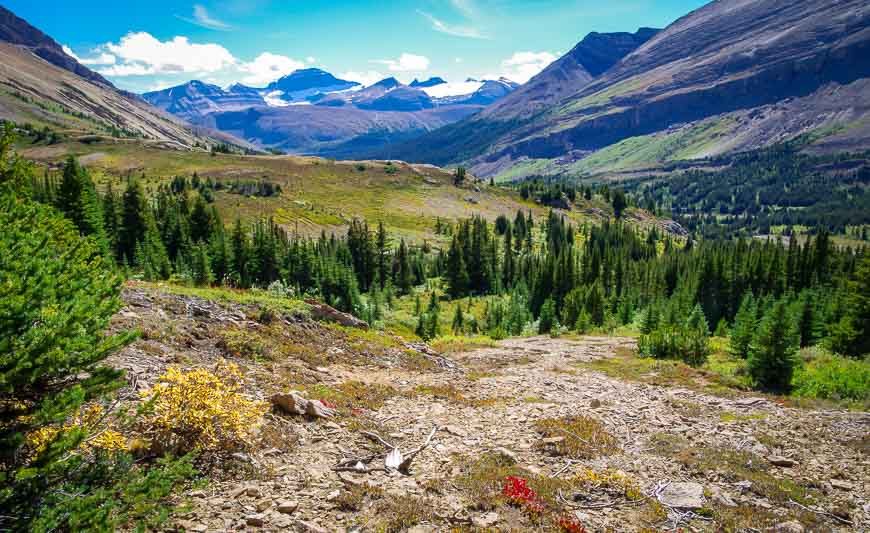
(485, 521)
(792, 526)
(506, 453)
(595, 403)
(254, 492)
(263, 504)
(297, 405)
(256, 520)
(288, 506)
(686, 495)
(841, 484)
(310, 527)
(721, 497)
(778, 460)
(553, 440)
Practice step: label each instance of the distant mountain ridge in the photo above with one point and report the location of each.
(339, 116)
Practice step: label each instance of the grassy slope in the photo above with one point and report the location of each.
(317, 193)
(641, 152)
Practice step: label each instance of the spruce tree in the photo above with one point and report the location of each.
(240, 256)
(773, 350)
(133, 213)
(547, 319)
(744, 326)
(458, 322)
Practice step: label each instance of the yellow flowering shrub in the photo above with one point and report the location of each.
(90, 418)
(201, 409)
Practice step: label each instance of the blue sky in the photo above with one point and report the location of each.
(146, 45)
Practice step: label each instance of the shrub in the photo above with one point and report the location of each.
(669, 342)
(200, 409)
(578, 436)
(834, 377)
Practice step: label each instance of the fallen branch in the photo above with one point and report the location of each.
(822, 513)
(393, 461)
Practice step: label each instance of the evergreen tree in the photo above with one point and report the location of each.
(744, 326)
(77, 199)
(239, 256)
(403, 278)
(457, 273)
(458, 322)
(383, 255)
(56, 300)
(619, 203)
(200, 265)
(773, 351)
(547, 319)
(133, 214)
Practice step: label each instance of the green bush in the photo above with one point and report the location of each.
(670, 342)
(834, 377)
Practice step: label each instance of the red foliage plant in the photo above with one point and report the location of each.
(518, 492)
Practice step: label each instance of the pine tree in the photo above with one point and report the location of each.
(132, 230)
(78, 200)
(773, 351)
(547, 319)
(404, 279)
(457, 273)
(239, 256)
(458, 322)
(383, 254)
(744, 326)
(619, 203)
(57, 297)
(200, 265)
(650, 320)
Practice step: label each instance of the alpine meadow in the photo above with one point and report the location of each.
(357, 267)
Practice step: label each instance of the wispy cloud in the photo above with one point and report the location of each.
(202, 18)
(405, 63)
(466, 7)
(438, 25)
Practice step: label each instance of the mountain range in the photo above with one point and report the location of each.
(310, 111)
(733, 75)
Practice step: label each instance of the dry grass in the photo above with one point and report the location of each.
(350, 395)
(578, 437)
(450, 393)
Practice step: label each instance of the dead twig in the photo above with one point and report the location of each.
(822, 513)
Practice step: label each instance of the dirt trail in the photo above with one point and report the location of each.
(664, 435)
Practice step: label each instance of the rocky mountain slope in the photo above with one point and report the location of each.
(757, 72)
(652, 451)
(41, 85)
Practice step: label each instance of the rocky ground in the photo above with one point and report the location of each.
(611, 455)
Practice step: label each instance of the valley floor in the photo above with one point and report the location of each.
(653, 458)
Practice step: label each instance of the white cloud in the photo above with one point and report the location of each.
(367, 78)
(139, 53)
(101, 58)
(268, 67)
(406, 63)
(458, 60)
(455, 30)
(202, 18)
(310, 59)
(68, 51)
(521, 66)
